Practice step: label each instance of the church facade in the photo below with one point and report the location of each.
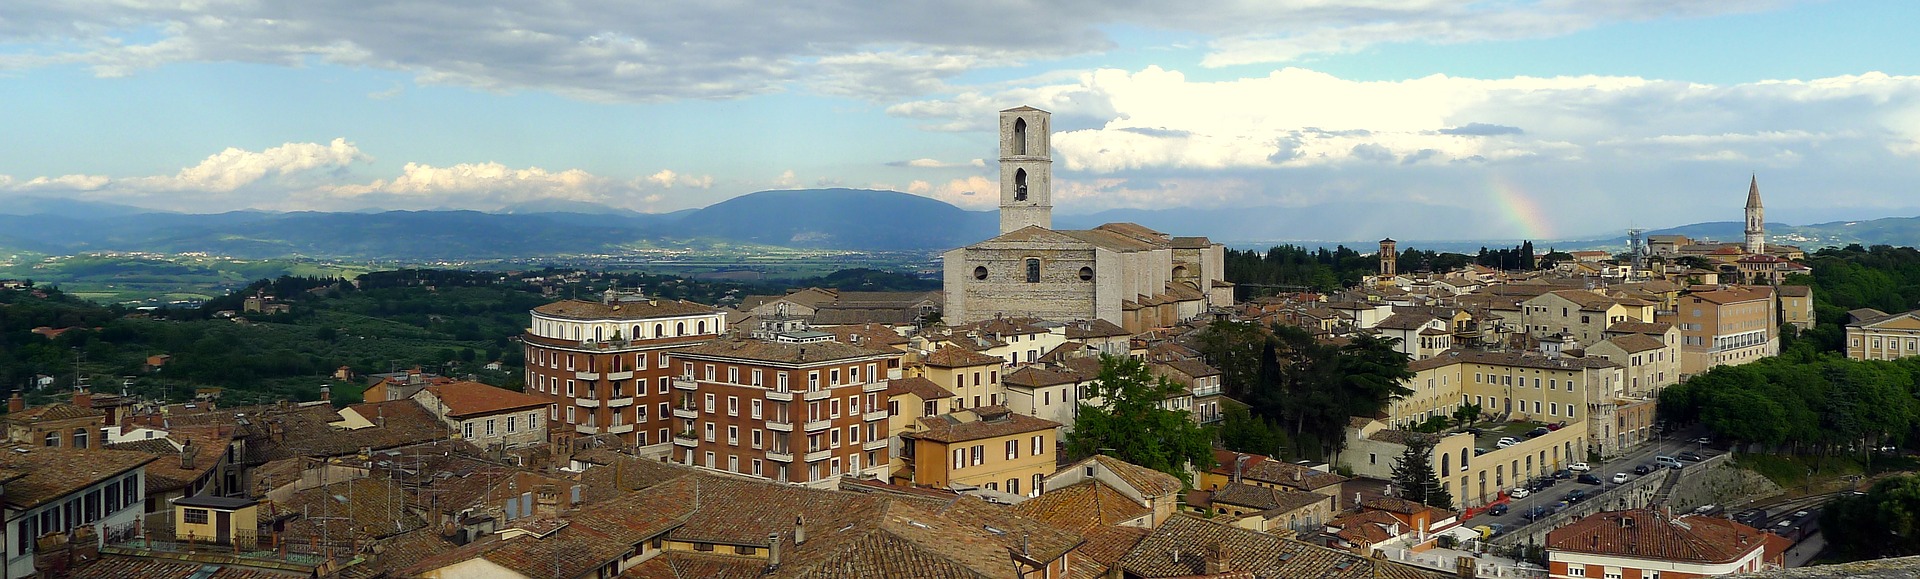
(1123, 273)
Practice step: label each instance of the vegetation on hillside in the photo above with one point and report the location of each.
(1300, 392)
(1882, 277)
(1883, 522)
(1803, 401)
(1285, 267)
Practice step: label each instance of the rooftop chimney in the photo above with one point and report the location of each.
(187, 458)
(16, 404)
(799, 530)
(773, 551)
(1216, 560)
(82, 398)
(326, 393)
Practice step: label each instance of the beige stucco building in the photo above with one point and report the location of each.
(1875, 335)
(1583, 314)
(1122, 273)
(988, 448)
(1726, 326)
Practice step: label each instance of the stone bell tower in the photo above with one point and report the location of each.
(1026, 169)
(1756, 238)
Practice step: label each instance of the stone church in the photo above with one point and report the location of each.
(1123, 273)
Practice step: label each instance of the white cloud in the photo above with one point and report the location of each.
(235, 168)
(63, 183)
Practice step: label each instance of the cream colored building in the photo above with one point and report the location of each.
(1583, 314)
(1122, 273)
(1729, 325)
(989, 448)
(1875, 335)
(1796, 306)
(1651, 364)
(1474, 480)
(972, 377)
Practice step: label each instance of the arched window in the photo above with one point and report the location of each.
(1019, 136)
(703, 326)
(79, 438)
(599, 334)
(680, 329)
(53, 439)
(1033, 270)
(1446, 464)
(1019, 184)
(659, 330)
(636, 333)
(1179, 271)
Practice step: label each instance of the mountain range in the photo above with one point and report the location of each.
(842, 219)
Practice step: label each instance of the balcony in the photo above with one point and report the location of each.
(587, 376)
(685, 383)
(781, 426)
(626, 375)
(874, 386)
(586, 402)
(584, 429)
(875, 444)
(818, 455)
(778, 396)
(686, 412)
(821, 394)
(876, 415)
(686, 439)
(779, 456)
(817, 425)
(621, 429)
(620, 402)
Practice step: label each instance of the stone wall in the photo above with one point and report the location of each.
(1636, 493)
(1717, 481)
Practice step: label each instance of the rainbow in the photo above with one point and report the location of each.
(1520, 209)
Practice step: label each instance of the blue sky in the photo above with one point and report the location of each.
(1645, 111)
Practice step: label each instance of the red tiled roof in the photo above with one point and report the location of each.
(464, 399)
(952, 357)
(1649, 534)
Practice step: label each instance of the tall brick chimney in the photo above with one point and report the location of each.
(16, 404)
(82, 398)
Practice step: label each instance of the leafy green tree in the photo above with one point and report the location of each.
(1884, 522)
(1131, 424)
(1234, 348)
(1241, 431)
(1413, 476)
(1467, 414)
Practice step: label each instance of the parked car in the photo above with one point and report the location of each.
(1579, 467)
(1563, 474)
(1703, 440)
(1643, 469)
(1506, 441)
(1538, 432)
(1474, 430)
(1497, 529)
(1479, 451)
(1574, 496)
(1690, 456)
(1498, 510)
(1519, 493)
(1556, 426)
(1588, 478)
(1619, 477)
(1667, 461)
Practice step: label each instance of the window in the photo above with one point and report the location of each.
(979, 272)
(754, 408)
(733, 463)
(733, 405)
(853, 434)
(1033, 270)
(756, 439)
(1013, 485)
(833, 376)
(979, 454)
(1039, 444)
(756, 467)
(708, 399)
(1013, 449)
(489, 427)
(932, 409)
(733, 375)
(1573, 571)
(756, 377)
(196, 516)
(709, 438)
(733, 435)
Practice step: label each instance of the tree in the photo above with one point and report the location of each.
(1241, 431)
(1131, 424)
(1884, 522)
(1467, 414)
(1413, 477)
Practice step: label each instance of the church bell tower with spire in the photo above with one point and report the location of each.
(1756, 219)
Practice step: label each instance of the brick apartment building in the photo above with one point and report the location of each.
(787, 403)
(602, 366)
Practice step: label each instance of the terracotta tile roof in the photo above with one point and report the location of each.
(625, 310)
(620, 473)
(778, 352)
(1038, 376)
(1193, 368)
(306, 431)
(1146, 481)
(468, 399)
(368, 509)
(1264, 469)
(1265, 556)
(1795, 291)
(1367, 527)
(118, 567)
(1400, 437)
(1633, 343)
(696, 565)
(169, 472)
(1396, 505)
(1104, 548)
(1515, 359)
(951, 357)
(1647, 534)
(1082, 507)
(867, 335)
(1097, 328)
(1005, 326)
(53, 472)
(1733, 294)
(55, 411)
(1265, 498)
(979, 423)
(917, 386)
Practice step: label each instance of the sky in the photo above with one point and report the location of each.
(1551, 117)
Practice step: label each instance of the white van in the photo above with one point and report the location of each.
(1667, 461)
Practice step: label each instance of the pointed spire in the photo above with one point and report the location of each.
(1753, 192)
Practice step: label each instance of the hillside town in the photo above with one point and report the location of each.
(831, 433)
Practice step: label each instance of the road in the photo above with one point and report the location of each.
(1668, 446)
(1805, 550)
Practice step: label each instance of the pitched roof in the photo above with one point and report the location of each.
(918, 386)
(866, 334)
(1037, 376)
(1264, 498)
(779, 352)
(1146, 481)
(1096, 328)
(980, 423)
(1733, 294)
(464, 399)
(1650, 328)
(53, 472)
(1526, 359)
(1178, 548)
(1635, 343)
(1193, 368)
(1795, 291)
(55, 411)
(623, 310)
(1082, 507)
(1647, 534)
(952, 357)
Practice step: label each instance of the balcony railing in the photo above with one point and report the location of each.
(780, 456)
(818, 455)
(585, 375)
(875, 444)
(780, 425)
(685, 383)
(686, 412)
(621, 429)
(779, 396)
(686, 439)
(876, 415)
(622, 375)
(817, 425)
(874, 386)
(821, 394)
(586, 403)
(584, 429)
(620, 402)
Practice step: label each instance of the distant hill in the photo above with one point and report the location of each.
(1898, 231)
(1330, 221)
(67, 207)
(839, 219)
